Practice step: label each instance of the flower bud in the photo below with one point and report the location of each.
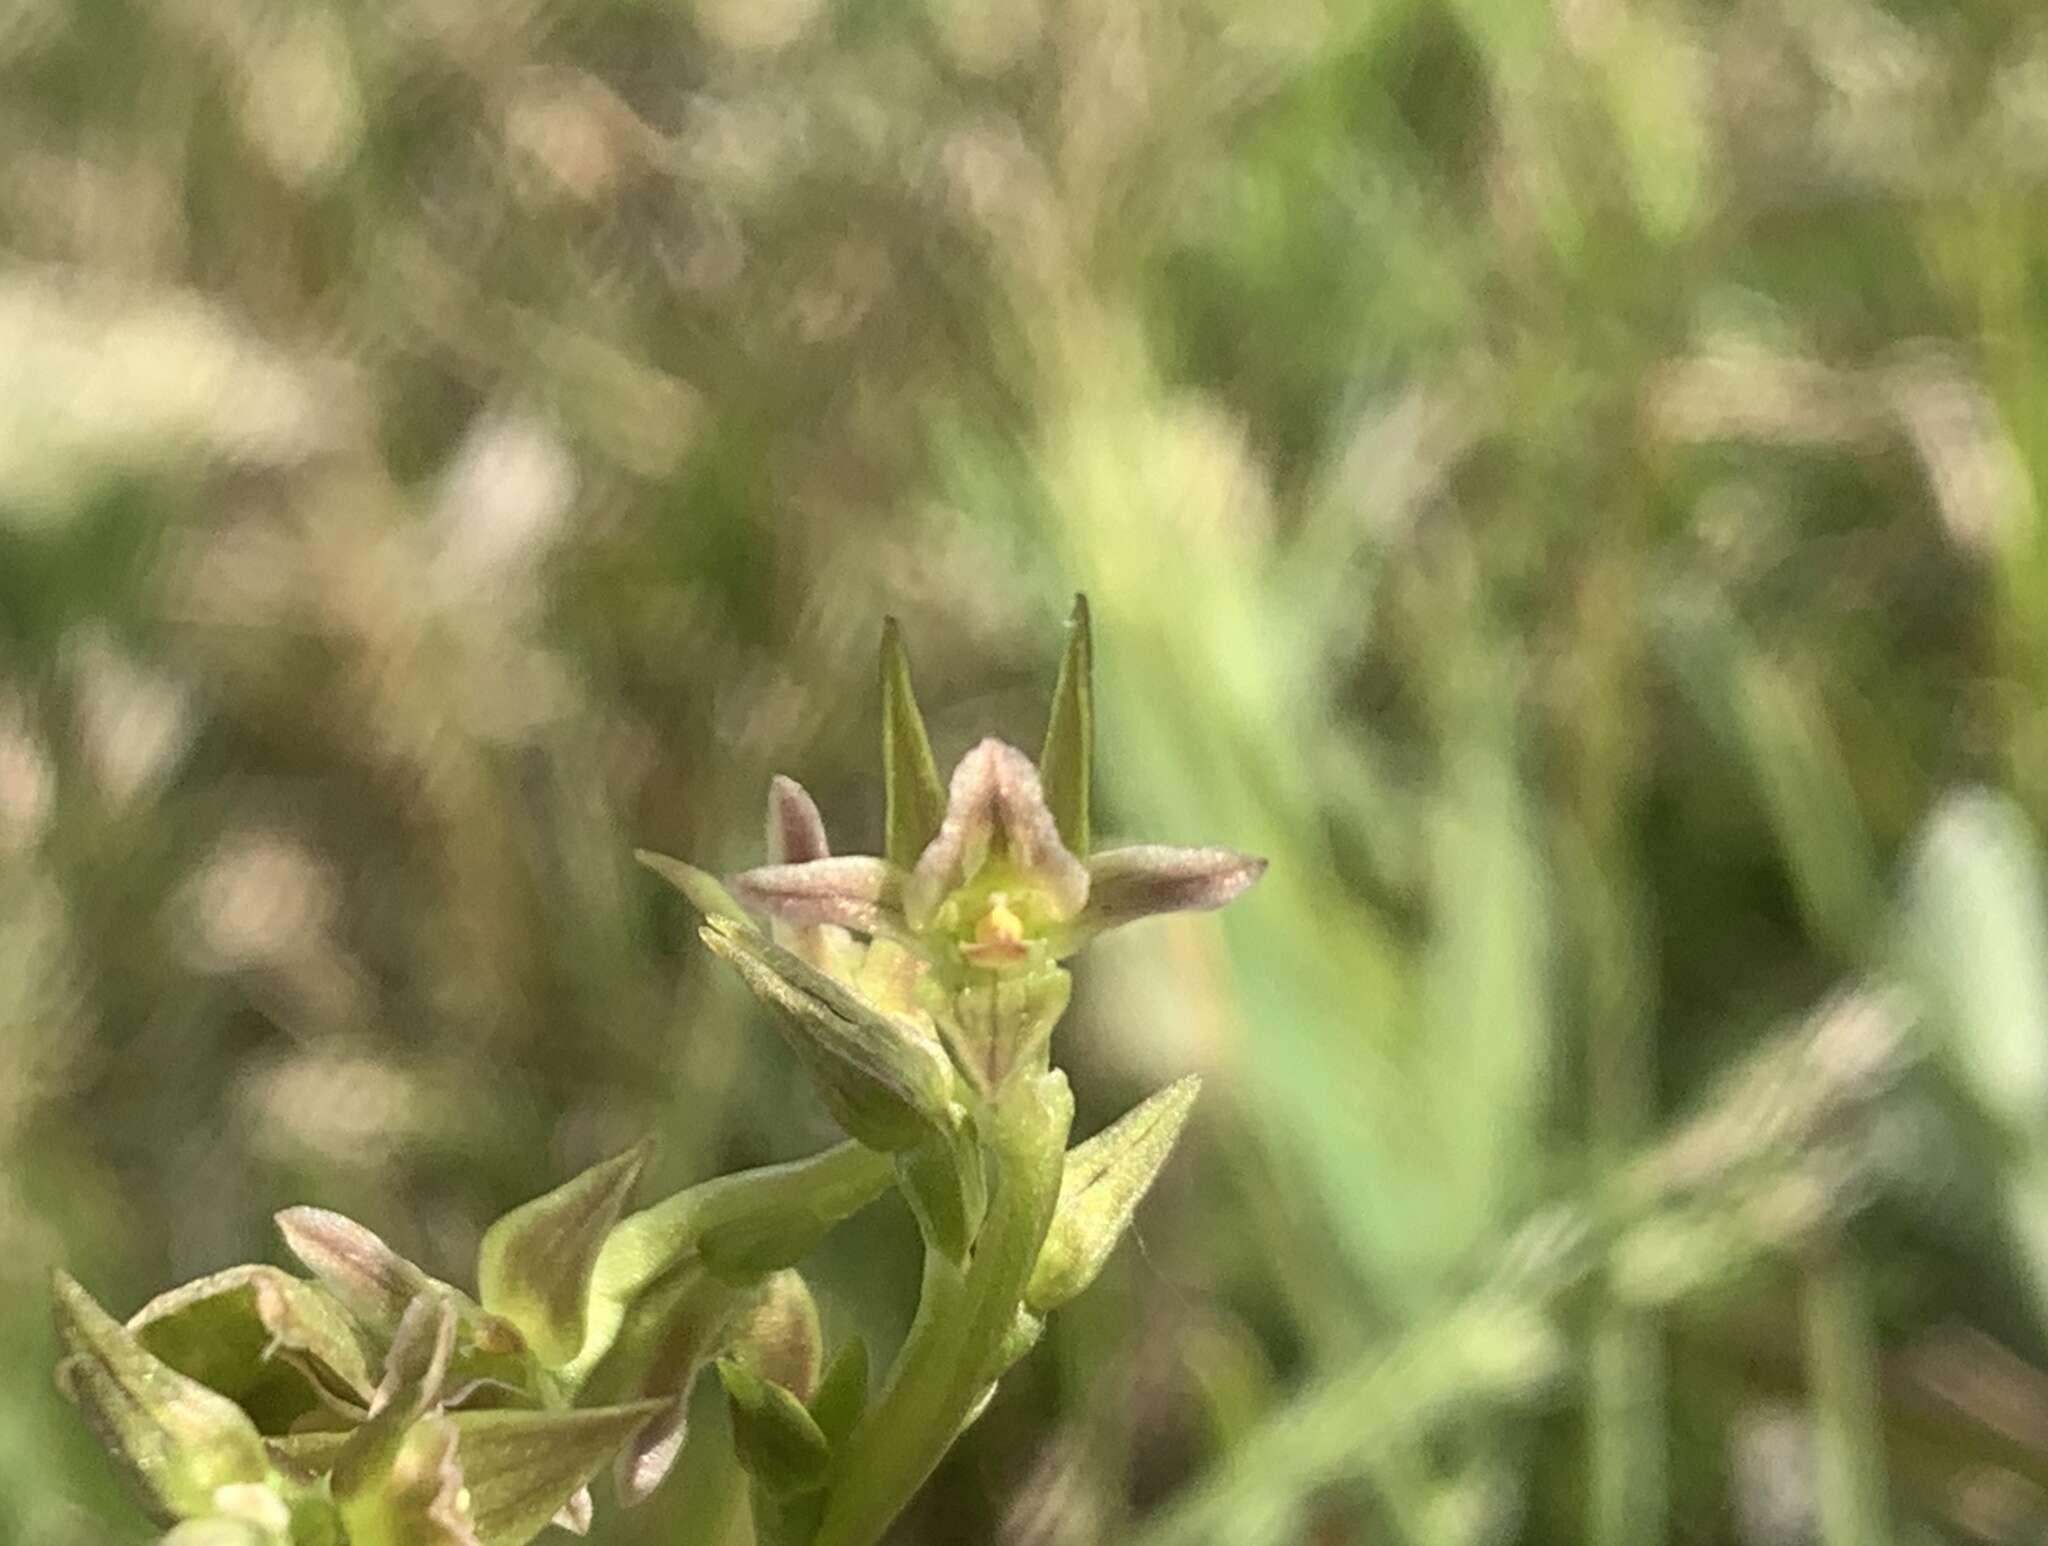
(178, 1441)
(887, 1085)
(534, 1265)
(779, 1337)
(775, 1437)
(1100, 1187)
(842, 1394)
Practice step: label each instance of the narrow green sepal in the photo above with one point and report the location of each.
(944, 1181)
(887, 1085)
(914, 800)
(1065, 762)
(523, 1468)
(775, 1437)
(704, 891)
(535, 1263)
(177, 1441)
(842, 1393)
(1100, 1187)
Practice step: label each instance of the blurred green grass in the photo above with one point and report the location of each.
(1560, 481)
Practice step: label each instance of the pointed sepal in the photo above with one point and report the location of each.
(886, 1081)
(525, 1468)
(776, 1438)
(1101, 1185)
(1065, 762)
(914, 801)
(853, 892)
(1126, 884)
(177, 1441)
(842, 1393)
(373, 1282)
(944, 1181)
(703, 890)
(796, 832)
(534, 1265)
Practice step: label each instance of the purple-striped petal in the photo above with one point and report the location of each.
(995, 797)
(856, 893)
(1126, 884)
(796, 832)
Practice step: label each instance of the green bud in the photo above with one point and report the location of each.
(1064, 763)
(776, 1439)
(842, 1393)
(373, 1282)
(778, 1336)
(914, 801)
(524, 1468)
(1100, 1188)
(278, 1347)
(885, 1083)
(1003, 1023)
(945, 1183)
(178, 1441)
(535, 1263)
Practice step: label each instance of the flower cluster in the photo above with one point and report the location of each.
(368, 1404)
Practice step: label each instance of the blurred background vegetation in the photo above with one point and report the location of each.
(1563, 480)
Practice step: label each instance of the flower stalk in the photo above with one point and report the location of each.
(920, 989)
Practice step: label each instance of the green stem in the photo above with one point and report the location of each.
(1841, 1361)
(963, 1317)
(761, 1219)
